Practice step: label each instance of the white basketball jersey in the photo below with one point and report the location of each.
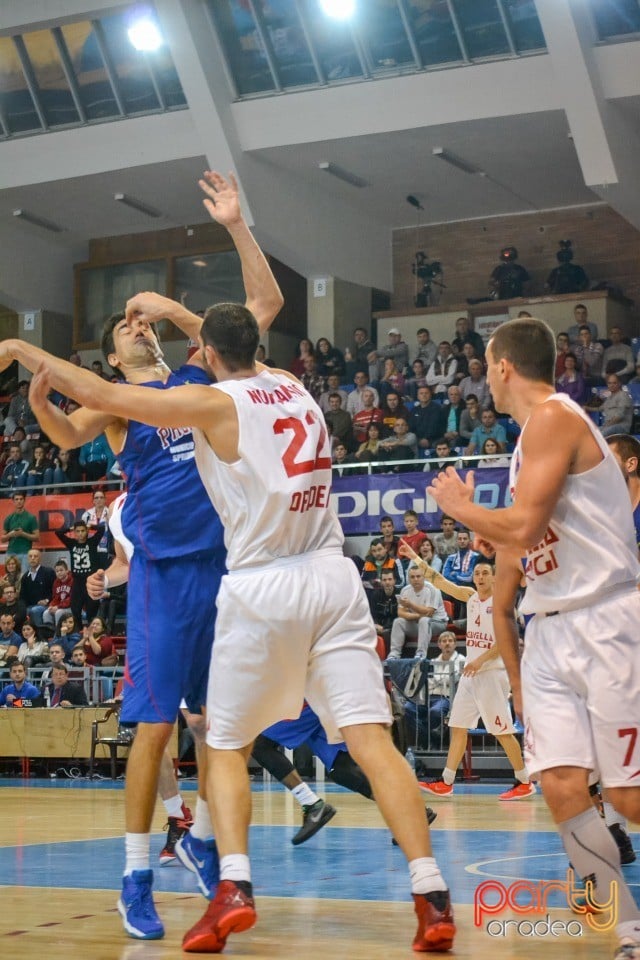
(589, 547)
(274, 499)
(115, 526)
(480, 637)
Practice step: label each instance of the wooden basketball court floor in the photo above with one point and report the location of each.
(343, 894)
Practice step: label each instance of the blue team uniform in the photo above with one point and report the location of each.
(636, 523)
(306, 729)
(176, 568)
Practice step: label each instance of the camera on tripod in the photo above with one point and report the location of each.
(430, 273)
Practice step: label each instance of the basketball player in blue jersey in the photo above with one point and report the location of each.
(626, 450)
(178, 559)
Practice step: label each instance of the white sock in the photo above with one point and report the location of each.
(425, 875)
(305, 795)
(173, 806)
(449, 776)
(235, 866)
(136, 848)
(522, 775)
(202, 828)
(611, 815)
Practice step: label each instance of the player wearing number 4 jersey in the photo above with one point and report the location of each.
(293, 621)
(483, 690)
(571, 515)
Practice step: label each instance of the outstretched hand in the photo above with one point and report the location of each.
(450, 492)
(404, 550)
(222, 201)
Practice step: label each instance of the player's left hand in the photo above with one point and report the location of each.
(222, 202)
(39, 389)
(470, 670)
(451, 492)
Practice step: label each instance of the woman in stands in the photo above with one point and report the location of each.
(37, 468)
(489, 450)
(67, 634)
(12, 573)
(32, 651)
(330, 359)
(305, 349)
(98, 646)
(572, 382)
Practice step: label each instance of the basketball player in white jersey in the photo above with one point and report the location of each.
(293, 621)
(483, 690)
(572, 518)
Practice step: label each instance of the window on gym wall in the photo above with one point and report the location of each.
(616, 18)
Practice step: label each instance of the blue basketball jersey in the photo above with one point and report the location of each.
(168, 512)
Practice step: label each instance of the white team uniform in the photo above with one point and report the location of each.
(115, 526)
(581, 664)
(293, 620)
(487, 694)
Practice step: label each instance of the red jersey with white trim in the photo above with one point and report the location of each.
(589, 547)
(274, 499)
(480, 636)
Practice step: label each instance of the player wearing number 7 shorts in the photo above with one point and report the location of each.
(580, 690)
(293, 621)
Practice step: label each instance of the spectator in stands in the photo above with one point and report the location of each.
(392, 408)
(378, 562)
(476, 383)
(65, 470)
(329, 358)
(562, 347)
(447, 670)
(340, 420)
(469, 418)
(426, 350)
(446, 542)
(366, 416)
(19, 693)
(261, 356)
(453, 407)
(357, 356)
(12, 571)
(396, 350)
(20, 413)
(60, 604)
(572, 382)
(401, 445)
(63, 692)
(417, 379)
(32, 651)
(355, 401)
(311, 378)
(490, 428)
(589, 354)
(85, 560)
(9, 640)
(636, 379)
(465, 334)
(383, 603)
(96, 458)
(14, 606)
(56, 655)
(442, 372)
(67, 636)
(421, 614)
(427, 420)
(445, 457)
(14, 474)
(388, 534)
(98, 369)
(78, 657)
(36, 587)
(369, 451)
(412, 535)
(305, 349)
(20, 437)
(97, 514)
(618, 358)
(459, 566)
(333, 386)
(617, 409)
(391, 381)
(341, 458)
(98, 646)
(36, 471)
(20, 528)
(581, 318)
(428, 553)
(490, 450)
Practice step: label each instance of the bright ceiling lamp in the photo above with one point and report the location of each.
(145, 35)
(338, 9)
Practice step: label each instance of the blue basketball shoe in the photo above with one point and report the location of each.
(201, 858)
(137, 909)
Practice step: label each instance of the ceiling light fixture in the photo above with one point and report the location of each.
(455, 161)
(37, 221)
(338, 9)
(199, 263)
(137, 205)
(144, 34)
(351, 178)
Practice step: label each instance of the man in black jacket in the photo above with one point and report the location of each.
(427, 420)
(63, 692)
(36, 586)
(384, 605)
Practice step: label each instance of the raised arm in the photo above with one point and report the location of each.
(440, 582)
